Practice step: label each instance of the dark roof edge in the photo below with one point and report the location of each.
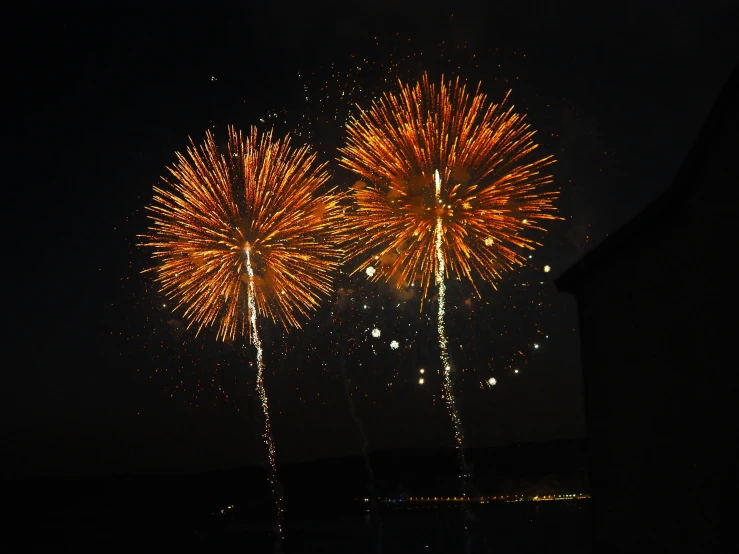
(683, 182)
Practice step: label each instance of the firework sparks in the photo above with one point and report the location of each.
(245, 233)
(257, 342)
(263, 192)
(452, 187)
(490, 193)
(446, 362)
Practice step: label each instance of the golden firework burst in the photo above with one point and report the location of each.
(262, 203)
(490, 193)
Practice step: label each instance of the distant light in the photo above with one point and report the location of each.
(164, 305)
(394, 345)
(370, 271)
(525, 221)
(492, 382)
(422, 371)
(515, 371)
(547, 269)
(376, 332)
(536, 346)
(421, 381)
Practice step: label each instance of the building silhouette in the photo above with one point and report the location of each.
(659, 347)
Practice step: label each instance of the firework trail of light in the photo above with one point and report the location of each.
(248, 232)
(448, 188)
(446, 362)
(365, 450)
(267, 432)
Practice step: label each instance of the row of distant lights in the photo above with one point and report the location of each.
(370, 271)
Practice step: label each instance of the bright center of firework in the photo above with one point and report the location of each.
(434, 152)
(370, 271)
(376, 332)
(394, 345)
(492, 381)
(547, 269)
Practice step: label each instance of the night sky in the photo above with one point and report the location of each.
(100, 376)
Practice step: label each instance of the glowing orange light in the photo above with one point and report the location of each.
(261, 193)
(490, 193)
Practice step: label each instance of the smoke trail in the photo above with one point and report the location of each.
(446, 362)
(267, 432)
(375, 515)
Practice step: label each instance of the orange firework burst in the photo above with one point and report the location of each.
(488, 193)
(257, 208)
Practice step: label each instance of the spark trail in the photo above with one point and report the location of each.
(444, 349)
(267, 432)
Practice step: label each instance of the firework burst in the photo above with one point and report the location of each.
(262, 195)
(242, 233)
(450, 186)
(490, 196)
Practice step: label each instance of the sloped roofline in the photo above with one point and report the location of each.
(683, 184)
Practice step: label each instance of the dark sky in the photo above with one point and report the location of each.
(103, 100)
